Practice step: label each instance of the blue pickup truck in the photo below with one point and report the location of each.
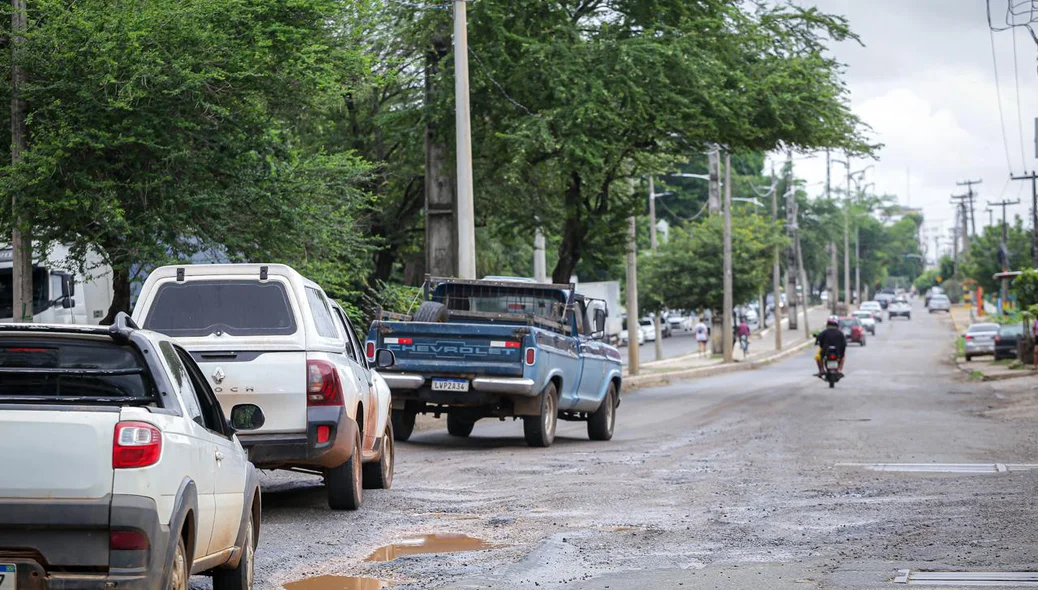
(501, 349)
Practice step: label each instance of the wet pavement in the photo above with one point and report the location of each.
(756, 479)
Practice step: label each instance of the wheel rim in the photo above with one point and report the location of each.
(357, 460)
(178, 579)
(549, 416)
(388, 457)
(610, 412)
(250, 541)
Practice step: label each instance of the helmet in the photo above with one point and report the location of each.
(832, 321)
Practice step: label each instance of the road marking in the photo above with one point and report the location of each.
(967, 578)
(943, 467)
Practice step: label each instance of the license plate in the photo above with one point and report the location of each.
(439, 385)
(8, 577)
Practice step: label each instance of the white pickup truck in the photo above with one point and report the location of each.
(263, 334)
(117, 466)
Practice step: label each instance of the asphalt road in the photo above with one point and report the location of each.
(728, 482)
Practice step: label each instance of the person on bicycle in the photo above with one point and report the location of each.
(742, 333)
(831, 336)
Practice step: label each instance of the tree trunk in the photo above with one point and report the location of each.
(574, 233)
(441, 203)
(121, 295)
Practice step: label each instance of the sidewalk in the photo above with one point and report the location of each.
(762, 352)
(984, 368)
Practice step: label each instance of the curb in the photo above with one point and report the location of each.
(969, 369)
(659, 379)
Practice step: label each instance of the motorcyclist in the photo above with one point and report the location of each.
(831, 336)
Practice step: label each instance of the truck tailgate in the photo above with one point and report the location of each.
(455, 348)
(56, 454)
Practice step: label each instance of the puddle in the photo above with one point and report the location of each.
(426, 544)
(336, 583)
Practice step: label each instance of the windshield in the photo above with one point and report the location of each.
(237, 308)
(849, 322)
(496, 299)
(983, 328)
(40, 289)
(1011, 330)
(66, 370)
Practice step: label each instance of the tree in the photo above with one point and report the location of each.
(687, 273)
(982, 261)
(165, 127)
(1025, 286)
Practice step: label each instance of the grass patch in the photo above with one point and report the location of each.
(976, 376)
(1004, 362)
(960, 347)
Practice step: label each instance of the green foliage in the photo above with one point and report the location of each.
(1025, 287)
(687, 271)
(953, 289)
(982, 260)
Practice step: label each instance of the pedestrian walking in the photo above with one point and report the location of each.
(702, 336)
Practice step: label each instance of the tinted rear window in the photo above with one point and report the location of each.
(1013, 330)
(237, 308)
(983, 328)
(57, 369)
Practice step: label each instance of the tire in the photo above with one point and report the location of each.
(832, 384)
(431, 311)
(403, 424)
(458, 427)
(540, 430)
(178, 568)
(863, 343)
(344, 483)
(379, 474)
(600, 423)
(239, 578)
(969, 358)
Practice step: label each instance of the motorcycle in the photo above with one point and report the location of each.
(832, 367)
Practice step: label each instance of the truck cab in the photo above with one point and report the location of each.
(60, 295)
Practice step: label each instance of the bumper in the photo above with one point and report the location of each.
(980, 349)
(277, 451)
(57, 545)
(503, 385)
(1005, 351)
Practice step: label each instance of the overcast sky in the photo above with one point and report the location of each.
(925, 83)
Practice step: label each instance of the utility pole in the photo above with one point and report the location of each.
(729, 305)
(540, 264)
(21, 237)
(653, 245)
(964, 217)
(1003, 254)
(1034, 212)
(991, 216)
(791, 252)
(632, 296)
(834, 265)
(970, 194)
(847, 238)
(803, 277)
(857, 265)
(955, 248)
(714, 194)
(776, 270)
(463, 142)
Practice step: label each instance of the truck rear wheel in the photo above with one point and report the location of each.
(403, 424)
(378, 475)
(540, 430)
(457, 426)
(344, 483)
(241, 577)
(431, 311)
(600, 424)
(178, 568)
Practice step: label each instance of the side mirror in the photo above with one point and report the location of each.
(67, 303)
(384, 358)
(247, 417)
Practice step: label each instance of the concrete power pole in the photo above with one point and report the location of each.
(791, 253)
(729, 305)
(441, 206)
(776, 268)
(857, 265)
(463, 140)
(540, 264)
(1003, 249)
(834, 265)
(847, 239)
(632, 296)
(21, 237)
(969, 195)
(1033, 177)
(964, 218)
(714, 195)
(654, 245)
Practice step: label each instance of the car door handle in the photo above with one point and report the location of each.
(219, 456)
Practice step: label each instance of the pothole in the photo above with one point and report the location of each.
(429, 544)
(1021, 579)
(336, 583)
(942, 467)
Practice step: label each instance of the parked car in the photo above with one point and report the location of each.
(899, 308)
(678, 321)
(873, 307)
(939, 302)
(263, 334)
(624, 335)
(492, 349)
(853, 330)
(930, 293)
(648, 330)
(885, 297)
(1006, 340)
(980, 340)
(665, 330)
(867, 321)
(119, 467)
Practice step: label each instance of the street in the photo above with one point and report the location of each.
(755, 479)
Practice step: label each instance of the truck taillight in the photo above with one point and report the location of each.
(323, 387)
(369, 351)
(128, 540)
(137, 444)
(531, 356)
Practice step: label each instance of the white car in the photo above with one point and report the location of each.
(625, 337)
(264, 334)
(119, 468)
(867, 320)
(874, 307)
(939, 302)
(648, 330)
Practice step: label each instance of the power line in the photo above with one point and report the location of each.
(1019, 117)
(998, 94)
